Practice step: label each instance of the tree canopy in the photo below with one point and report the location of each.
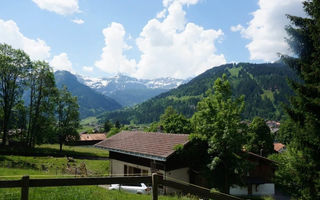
(218, 123)
(68, 117)
(260, 140)
(14, 65)
(304, 111)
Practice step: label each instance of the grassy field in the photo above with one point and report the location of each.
(61, 193)
(79, 193)
(53, 150)
(88, 124)
(90, 150)
(15, 166)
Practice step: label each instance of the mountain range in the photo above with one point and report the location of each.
(129, 91)
(264, 85)
(97, 95)
(91, 102)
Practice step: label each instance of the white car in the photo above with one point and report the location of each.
(136, 189)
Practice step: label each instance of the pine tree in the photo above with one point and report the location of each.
(304, 110)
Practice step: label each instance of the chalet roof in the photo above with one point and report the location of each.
(278, 146)
(91, 137)
(258, 157)
(155, 146)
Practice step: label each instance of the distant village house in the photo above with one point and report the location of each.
(91, 139)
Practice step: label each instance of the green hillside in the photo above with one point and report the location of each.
(91, 103)
(264, 86)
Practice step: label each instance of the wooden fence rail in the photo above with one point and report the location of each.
(155, 180)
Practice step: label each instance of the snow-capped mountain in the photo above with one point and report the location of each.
(128, 90)
(121, 82)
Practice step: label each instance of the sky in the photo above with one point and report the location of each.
(147, 38)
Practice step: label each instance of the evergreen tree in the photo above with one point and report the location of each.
(107, 126)
(218, 123)
(304, 110)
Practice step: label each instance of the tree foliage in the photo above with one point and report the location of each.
(14, 65)
(304, 110)
(264, 86)
(68, 117)
(172, 122)
(260, 140)
(41, 107)
(218, 122)
(107, 126)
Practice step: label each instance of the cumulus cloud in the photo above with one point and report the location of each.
(174, 48)
(169, 46)
(61, 62)
(267, 28)
(112, 58)
(9, 33)
(61, 7)
(87, 68)
(78, 21)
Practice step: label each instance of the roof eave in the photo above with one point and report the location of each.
(151, 157)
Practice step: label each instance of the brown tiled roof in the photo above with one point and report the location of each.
(278, 146)
(91, 137)
(157, 146)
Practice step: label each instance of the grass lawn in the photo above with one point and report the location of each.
(88, 124)
(78, 193)
(62, 193)
(76, 149)
(53, 150)
(53, 165)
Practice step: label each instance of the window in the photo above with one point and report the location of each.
(144, 172)
(133, 171)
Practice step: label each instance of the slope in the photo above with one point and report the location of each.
(264, 86)
(90, 102)
(129, 91)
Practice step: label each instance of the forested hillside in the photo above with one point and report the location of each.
(264, 86)
(90, 102)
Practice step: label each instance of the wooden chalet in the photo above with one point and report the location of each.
(136, 153)
(259, 180)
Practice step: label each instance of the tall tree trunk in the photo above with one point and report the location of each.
(6, 121)
(5, 132)
(61, 145)
(30, 118)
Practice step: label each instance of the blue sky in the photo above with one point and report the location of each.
(147, 38)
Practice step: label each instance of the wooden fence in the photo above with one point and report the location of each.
(155, 180)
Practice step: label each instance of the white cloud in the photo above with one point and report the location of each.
(239, 27)
(112, 58)
(87, 68)
(174, 48)
(266, 29)
(61, 62)
(10, 34)
(167, 3)
(78, 21)
(62, 7)
(162, 14)
(169, 46)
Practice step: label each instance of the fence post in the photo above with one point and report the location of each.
(155, 186)
(25, 188)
